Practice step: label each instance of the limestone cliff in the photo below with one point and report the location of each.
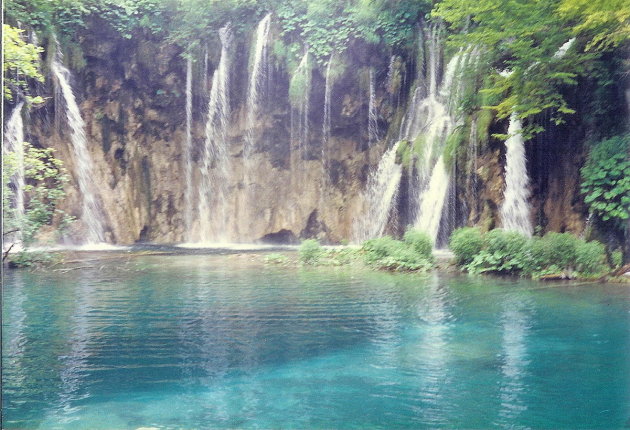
(131, 94)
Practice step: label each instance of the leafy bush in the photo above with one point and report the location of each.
(45, 179)
(502, 251)
(590, 257)
(340, 257)
(376, 249)
(32, 259)
(606, 179)
(466, 242)
(616, 258)
(504, 242)
(390, 254)
(310, 251)
(558, 248)
(276, 258)
(420, 242)
(404, 260)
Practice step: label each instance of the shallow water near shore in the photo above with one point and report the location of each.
(223, 341)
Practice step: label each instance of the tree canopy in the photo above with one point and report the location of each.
(536, 51)
(21, 63)
(536, 48)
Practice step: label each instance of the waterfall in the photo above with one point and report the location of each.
(327, 95)
(432, 200)
(372, 117)
(216, 168)
(472, 155)
(391, 71)
(188, 153)
(429, 122)
(92, 215)
(380, 193)
(392, 86)
(205, 70)
(256, 80)
(14, 143)
(515, 209)
(299, 97)
(435, 58)
(326, 132)
(302, 83)
(561, 52)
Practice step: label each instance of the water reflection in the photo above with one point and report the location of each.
(14, 328)
(75, 364)
(515, 324)
(216, 342)
(433, 311)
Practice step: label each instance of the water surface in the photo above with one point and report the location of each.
(221, 341)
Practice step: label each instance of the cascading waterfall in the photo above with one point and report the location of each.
(215, 166)
(429, 122)
(379, 195)
(327, 94)
(299, 98)
(472, 151)
(515, 210)
(326, 131)
(372, 116)
(14, 140)
(205, 70)
(393, 84)
(188, 216)
(92, 214)
(435, 57)
(562, 51)
(432, 201)
(256, 81)
(255, 93)
(303, 87)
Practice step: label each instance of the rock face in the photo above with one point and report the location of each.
(132, 98)
(131, 94)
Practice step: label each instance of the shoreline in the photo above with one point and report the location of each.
(69, 257)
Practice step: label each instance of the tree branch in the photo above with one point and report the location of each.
(6, 254)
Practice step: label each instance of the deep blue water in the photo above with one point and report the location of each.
(217, 341)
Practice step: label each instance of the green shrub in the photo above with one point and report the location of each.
(559, 249)
(341, 257)
(503, 252)
(420, 242)
(590, 257)
(606, 179)
(616, 258)
(276, 258)
(403, 258)
(510, 252)
(376, 249)
(507, 243)
(465, 243)
(33, 259)
(310, 251)
(533, 255)
(390, 254)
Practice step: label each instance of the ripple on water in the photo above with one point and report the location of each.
(215, 341)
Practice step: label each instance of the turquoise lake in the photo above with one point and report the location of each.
(199, 341)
